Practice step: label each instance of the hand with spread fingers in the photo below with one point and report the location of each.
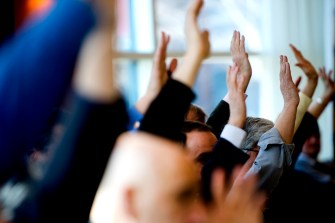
(308, 69)
(328, 81)
(318, 106)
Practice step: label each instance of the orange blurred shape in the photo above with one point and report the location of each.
(38, 6)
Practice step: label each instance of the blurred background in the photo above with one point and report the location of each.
(269, 26)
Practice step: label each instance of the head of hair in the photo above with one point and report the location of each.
(255, 128)
(190, 126)
(196, 113)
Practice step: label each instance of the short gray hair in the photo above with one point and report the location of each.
(255, 128)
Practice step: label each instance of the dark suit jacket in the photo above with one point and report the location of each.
(72, 177)
(36, 67)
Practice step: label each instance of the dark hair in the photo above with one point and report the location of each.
(197, 112)
(190, 126)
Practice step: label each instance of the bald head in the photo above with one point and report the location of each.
(148, 179)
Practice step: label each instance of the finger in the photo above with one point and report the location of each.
(232, 42)
(237, 174)
(242, 42)
(161, 48)
(296, 53)
(205, 35)
(288, 72)
(259, 200)
(228, 78)
(218, 186)
(330, 74)
(321, 70)
(195, 8)
(298, 81)
(172, 66)
(237, 39)
(300, 65)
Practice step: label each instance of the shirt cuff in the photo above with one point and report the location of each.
(233, 134)
(304, 102)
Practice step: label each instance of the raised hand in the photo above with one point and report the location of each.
(304, 64)
(286, 120)
(198, 46)
(287, 86)
(240, 57)
(172, 67)
(238, 202)
(297, 82)
(328, 81)
(197, 40)
(159, 74)
(318, 106)
(308, 69)
(237, 105)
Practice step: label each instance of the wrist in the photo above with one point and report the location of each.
(236, 121)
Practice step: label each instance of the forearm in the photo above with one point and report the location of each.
(285, 122)
(319, 105)
(186, 73)
(310, 87)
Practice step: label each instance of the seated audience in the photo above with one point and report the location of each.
(170, 191)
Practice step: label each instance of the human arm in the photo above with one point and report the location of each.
(308, 69)
(158, 77)
(220, 115)
(275, 146)
(166, 113)
(318, 105)
(226, 153)
(97, 117)
(308, 90)
(198, 46)
(286, 120)
(35, 72)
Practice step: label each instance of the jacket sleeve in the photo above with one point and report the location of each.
(76, 168)
(165, 115)
(36, 67)
(219, 117)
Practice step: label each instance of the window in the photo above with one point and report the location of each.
(139, 27)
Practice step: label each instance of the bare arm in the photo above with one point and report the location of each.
(240, 58)
(198, 47)
(285, 122)
(237, 106)
(94, 77)
(158, 77)
(309, 71)
(318, 106)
